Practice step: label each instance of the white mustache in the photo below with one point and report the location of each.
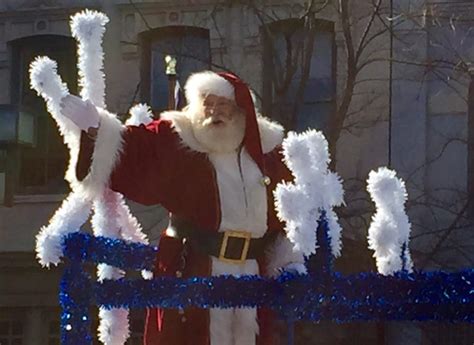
(210, 120)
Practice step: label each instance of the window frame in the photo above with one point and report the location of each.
(19, 192)
(146, 40)
(10, 319)
(292, 25)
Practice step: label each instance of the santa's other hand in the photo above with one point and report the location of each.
(83, 113)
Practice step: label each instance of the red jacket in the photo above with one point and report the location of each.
(157, 166)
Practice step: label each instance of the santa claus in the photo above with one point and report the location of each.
(214, 167)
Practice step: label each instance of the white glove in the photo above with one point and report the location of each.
(83, 113)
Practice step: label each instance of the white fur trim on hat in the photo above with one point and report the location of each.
(207, 82)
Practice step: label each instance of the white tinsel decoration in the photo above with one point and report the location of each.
(75, 209)
(113, 328)
(315, 188)
(88, 28)
(112, 217)
(390, 227)
(72, 214)
(44, 79)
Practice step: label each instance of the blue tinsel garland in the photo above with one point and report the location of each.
(83, 247)
(366, 296)
(321, 295)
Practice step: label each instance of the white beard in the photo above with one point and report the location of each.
(222, 138)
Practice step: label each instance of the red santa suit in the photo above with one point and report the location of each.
(163, 163)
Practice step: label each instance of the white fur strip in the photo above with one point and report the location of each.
(107, 150)
(390, 227)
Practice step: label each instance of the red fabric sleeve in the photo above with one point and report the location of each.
(140, 163)
(146, 154)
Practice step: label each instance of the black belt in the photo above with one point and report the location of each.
(231, 246)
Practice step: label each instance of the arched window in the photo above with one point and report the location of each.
(41, 166)
(286, 44)
(189, 45)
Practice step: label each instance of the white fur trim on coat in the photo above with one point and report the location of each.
(204, 83)
(271, 133)
(108, 146)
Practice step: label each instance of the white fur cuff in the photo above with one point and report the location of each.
(108, 146)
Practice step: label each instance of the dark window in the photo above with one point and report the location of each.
(11, 332)
(191, 48)
(285, 45)
(42, 165)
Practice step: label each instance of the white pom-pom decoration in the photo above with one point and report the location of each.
(390, 229)
(139, 114)
(314, 189)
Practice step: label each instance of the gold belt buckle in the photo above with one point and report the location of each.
(238, 234)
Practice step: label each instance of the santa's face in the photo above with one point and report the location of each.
(218, 111)
(219, 124)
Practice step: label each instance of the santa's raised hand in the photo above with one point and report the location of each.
(82, 113)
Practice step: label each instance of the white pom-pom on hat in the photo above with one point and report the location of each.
(204, 83)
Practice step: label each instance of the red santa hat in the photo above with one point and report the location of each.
(230, 86)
